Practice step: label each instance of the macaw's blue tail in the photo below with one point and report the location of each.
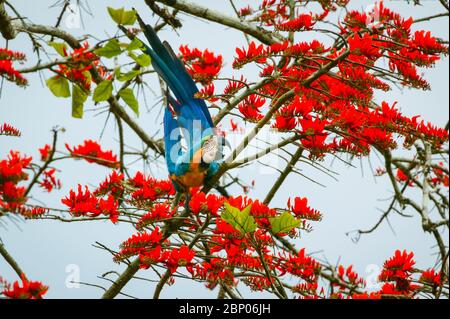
(172, 70)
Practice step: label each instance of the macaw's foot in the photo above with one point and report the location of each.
(187, 201)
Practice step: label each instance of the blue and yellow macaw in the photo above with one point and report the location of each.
(193, 166)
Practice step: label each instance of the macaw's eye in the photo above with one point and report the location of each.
(209, 150)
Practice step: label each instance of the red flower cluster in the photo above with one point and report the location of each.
(204, 66)
(398, 269)
(347, 275)
(252, 54)
(159, 212)
(432, 278)
(315, 137)
(112, 185)
(149, 189)
(50, 181)
(207, 93)
(25, 290)
(300, 23)
(45, 152)
(179, 257)
(81, 61)
(207, 204)
(339, 104)
(9, 130)
(250, 108)
(92, 152)
(301, 209)
(87, 204)
(139, 243)
(235, 86)
(7, 57)
(12, 196)
(440, 177)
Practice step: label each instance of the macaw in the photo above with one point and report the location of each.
(193, 166)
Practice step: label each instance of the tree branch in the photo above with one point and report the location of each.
(215, 16)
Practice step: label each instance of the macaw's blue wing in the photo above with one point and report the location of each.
(172, 70)
(172, 141)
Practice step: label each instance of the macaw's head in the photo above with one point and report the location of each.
(210, 149)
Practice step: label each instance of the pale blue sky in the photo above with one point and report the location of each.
(45, 248)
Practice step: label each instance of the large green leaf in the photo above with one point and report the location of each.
(59, 86)
(79, 96)
(240, 220)
(284, 223)
(135, 44)
(127, 76)
(59, 47)
(122, 16)
(143, 60)
(110, 49)
(103, 91)
(127, 95)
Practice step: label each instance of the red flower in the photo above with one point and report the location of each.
(301, 265)
(82, 61)
(431, 277)
(284, 123)
(349, 276)
(364, 46)
(302, 22)
(254, 53)
(9, 130)
(150, 189)
(427, 43)
(203, 66)
(50, 182)
(315, 136)
(6, 54)
(207, 93)
(12, 169)
(13, 196)
(245, 11)
(112, 185)
(250, 107)
(139, 243)
(234, 86)
(402, 177)
(91, 152)
(158, 213)
(302, 210)
(45, 152)
(6, 66)
(208, 204)
(180, 257)
(399, 269)
(150, 257)
(28, 289)
(86, 204)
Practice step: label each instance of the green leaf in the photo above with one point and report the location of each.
(110, 49)
(79, 96)
(284, 223)
(143, 60)
(127, 95)
(135, 44)
(59, 86)
(127, 76)
(59, 47)
(122, 16)
(240, 220)
(103, 91)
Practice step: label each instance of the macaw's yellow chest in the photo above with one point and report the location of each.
(195, 177)
(191, 179)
